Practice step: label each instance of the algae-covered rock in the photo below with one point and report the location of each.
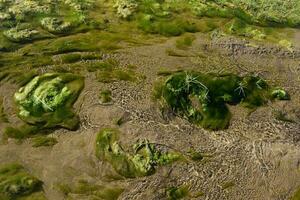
(16, 183)
(142, 163)
(202, 98)
(46, 101)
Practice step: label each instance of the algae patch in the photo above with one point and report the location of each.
(46, 102)
(202, 98)
(16, 183)
(141, 163)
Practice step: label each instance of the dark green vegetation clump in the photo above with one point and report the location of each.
(175, 193)
(16, 184)
(105, 96)
(46, 102)
(141, 163)
(202, 98)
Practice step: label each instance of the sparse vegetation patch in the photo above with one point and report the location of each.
(143, 162)
(16, 183)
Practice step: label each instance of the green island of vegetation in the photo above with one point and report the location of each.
(202, 98)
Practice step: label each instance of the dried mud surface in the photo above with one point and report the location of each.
(258, 156)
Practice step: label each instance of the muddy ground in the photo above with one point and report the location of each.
(257, 157)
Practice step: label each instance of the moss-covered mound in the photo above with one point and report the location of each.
(202, 98)
(46, 101)
(142, 163)
(16, 183)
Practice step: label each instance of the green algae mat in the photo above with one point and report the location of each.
(142, 163)
(46, 102)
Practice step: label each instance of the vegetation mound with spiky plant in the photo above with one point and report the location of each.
(202, 98)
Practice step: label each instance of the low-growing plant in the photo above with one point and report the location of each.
(142, 163)
(176, 193)
(46, 102)
(185, 41)
(16, 183)
(105, 96)
(202, 98)
(166, 27)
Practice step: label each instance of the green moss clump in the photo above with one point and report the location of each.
(108, 71)
(175, 193)
(280, 94)
(48, 99)
(21, 132)
(202, 98)
(195, 156)
(166, 27)
(46, 102)
(105, 96)
(15, 182)
(70, 58)
(228, 185)
(142, 163)
(185, 41)
(44, 141)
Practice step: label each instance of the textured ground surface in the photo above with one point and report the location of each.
(258, 157)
